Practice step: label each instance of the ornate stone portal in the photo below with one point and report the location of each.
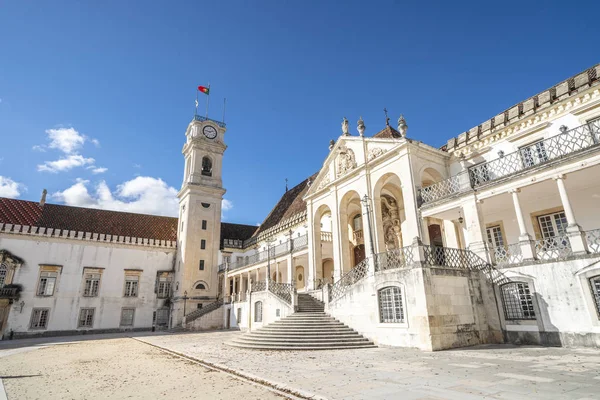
(390, 213)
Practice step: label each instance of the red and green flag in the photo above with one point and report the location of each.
(204, 89)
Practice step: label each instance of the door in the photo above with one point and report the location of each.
(437, 244)
(359, 254)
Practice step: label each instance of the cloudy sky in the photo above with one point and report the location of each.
(95, 97)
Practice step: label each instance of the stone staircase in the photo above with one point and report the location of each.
(308, 329)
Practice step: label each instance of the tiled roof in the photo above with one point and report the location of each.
(388, 133)
(290, 204)
(236, 231)
(81, 219)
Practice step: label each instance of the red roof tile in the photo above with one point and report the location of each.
(388, 133)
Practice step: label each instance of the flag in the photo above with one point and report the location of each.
(204, 89)
(196, 103)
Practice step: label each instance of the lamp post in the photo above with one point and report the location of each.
(185, 297)
(365, 201)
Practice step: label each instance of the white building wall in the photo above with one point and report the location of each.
(68, 298)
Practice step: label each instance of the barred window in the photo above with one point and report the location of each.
(517, 301)
(39, 318)
(92, 285)
(3, 273)
(127, 316)
(47, 283)
(258, 311)
(131, 286)
(239, 316)
(86, 318)
(390, 305)
(595, 285)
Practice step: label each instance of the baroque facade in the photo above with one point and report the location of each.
(492, 238)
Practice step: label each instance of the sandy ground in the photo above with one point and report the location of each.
(116, 369)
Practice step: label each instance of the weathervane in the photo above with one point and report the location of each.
(387, 119)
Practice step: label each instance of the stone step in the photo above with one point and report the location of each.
(302, 330)
(295, 342)
(308, 345)
(303, 348)
(306, 336)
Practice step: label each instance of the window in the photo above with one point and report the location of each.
(258, 311)
(127, 315)
(203, 244)
(390, 305)
(239, 261)
(163, 286)
(552, 225)
(205, 205)
(161, 317)
(204, 224)
(86, 318)
(199, 306)
(201, 265)
(517, 301)
(494, 235)
(201, 286)
(239, 316)
(92, 285)
(131, 285)
(47, 283)
(206, 166)
(357, 222)
(533, 154)
(3, 273)
(595, 285)
(39, 318)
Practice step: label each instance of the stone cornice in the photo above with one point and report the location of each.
(51, 233)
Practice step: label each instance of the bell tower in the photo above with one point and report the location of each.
(199, 230)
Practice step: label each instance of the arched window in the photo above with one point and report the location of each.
(357, 222)
(517, 301)
(390, 305)
(200, 286)
(595, 285)
(3, 273)
(258, 311)
(206, 166)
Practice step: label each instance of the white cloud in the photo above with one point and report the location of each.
(39, 148)
(67, 140)
(99, 170)
(10, 188)
(142, 194)
(65, 164)
(96, 142)
(226, 205)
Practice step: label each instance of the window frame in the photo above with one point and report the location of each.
(123, 309)
(513, 310)
(89, 276)
(3, 274)
(258, 311)
(204, 224)
(40, 310)
(46, 275)
(397, 305)
(128, 292)
(202, 244)
(556, 229)
(238, 317)
(86, 310)
(163, 286)
(493, 238)
(201, 265)
(594, 283)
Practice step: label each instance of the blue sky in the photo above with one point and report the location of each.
(109, 87)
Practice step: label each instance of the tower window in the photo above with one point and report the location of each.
(204, 224)
(206, 166)
(203, 244)
(201, 265)
(205, 205)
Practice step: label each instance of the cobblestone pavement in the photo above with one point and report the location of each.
(495, 372)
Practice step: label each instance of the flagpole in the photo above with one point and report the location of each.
(207, 99)
(196, 112)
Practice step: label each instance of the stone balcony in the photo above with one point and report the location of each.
(554, 149)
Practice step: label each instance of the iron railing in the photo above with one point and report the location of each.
(505, 255)
(453, 258)
(593, 240)
(9, 292)
(300, 242)
(359, 271)
(203, 311)
(282, 290)
(555, 147)
(556, 247)
(394, 259)
(201, 118)
(259, 286)
(275, 251)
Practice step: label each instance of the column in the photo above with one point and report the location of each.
(411, 227)
(337, 238)
(368, 222)
(290, 269)
(475, 228)
(314, 245)
(225, 283)
(576, 239)
(277, 271)
(525, 242)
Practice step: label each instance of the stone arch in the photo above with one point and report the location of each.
(389, 215)
(207, 166)
(323, 239)
(429, 176)
(349, 207)
(200, 285)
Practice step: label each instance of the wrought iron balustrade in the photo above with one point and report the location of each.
(201, 118)
(282, 290)
(300, 242)
(203, 311)
(9, 292)
(556, 247)
(580, 138)
(221, 267)
(326, 237)
(453, 258)
(359, 271)
(505, 255)
(394, 259)
(259, 286)
(593, 240)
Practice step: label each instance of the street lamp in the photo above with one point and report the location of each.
(185, 297)
(365, 201)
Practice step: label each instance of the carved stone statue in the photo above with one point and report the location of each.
(402, 126)
(390, 213)
(345, 131)
(346, 160)
(361, 126)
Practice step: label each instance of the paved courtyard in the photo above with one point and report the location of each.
(138, 367)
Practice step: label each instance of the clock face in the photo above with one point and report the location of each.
(210, 132)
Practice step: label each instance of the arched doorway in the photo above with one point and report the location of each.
(351, 228)
(359, 254)
(300, 277)
(389, 212)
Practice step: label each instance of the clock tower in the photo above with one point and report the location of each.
(199, 230)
